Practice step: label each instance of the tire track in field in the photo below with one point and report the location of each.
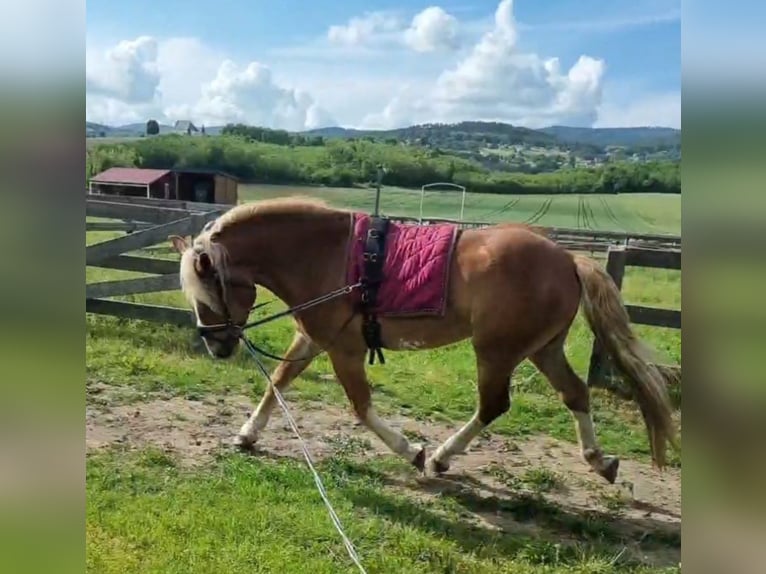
(590, 215)
(611, 215)
(541, 211)
(586, 224)
(500, 210)
(584, 220)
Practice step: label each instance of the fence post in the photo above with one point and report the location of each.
(599, 364)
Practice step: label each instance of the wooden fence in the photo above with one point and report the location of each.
(146, 223)
(618, 258)
(591, 240)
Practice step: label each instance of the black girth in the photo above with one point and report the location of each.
(372, 275)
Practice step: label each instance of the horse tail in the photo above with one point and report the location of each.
(608, 319)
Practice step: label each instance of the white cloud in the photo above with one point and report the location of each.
(185, 64)
(405, 108)
(361, 30)
(432, 29)
(662, 109)
(250, 95)
(180, 78)
(498, 82)
(362, 75)
(128, 72)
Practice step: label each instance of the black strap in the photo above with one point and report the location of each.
(373, 256)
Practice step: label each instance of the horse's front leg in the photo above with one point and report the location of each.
(283, 375)
(349, 367)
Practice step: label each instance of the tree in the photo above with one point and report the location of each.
(152, 128)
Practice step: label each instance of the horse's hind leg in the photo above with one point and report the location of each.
(283, 375)
(494, 367)
(349, 367)
(552, 362)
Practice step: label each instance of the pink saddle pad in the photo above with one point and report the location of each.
(416, 268)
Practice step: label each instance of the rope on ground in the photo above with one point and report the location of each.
(317, 480)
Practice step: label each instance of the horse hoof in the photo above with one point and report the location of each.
(609, 472)
(419, 461)
(438, 466)
(243, 443)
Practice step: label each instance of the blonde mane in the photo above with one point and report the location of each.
(281, 206)
(194, 288)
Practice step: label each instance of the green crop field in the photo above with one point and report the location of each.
(638, 213)
(165, 492)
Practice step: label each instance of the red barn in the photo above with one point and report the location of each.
(133, 181)
(201, 185)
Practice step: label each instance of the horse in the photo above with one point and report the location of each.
(510, 289)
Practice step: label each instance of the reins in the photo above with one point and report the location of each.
(228, 325)
(255, 351)
(317, 480)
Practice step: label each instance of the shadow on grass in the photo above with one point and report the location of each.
(506, 522)
(518, 521)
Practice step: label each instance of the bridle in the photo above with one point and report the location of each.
(239, 330)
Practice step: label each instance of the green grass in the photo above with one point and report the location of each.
(146, 513)
(97, 141)
(638, 213)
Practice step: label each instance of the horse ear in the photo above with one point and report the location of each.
(202, 264)
(179, 243)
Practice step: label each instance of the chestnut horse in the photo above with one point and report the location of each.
(512, 291)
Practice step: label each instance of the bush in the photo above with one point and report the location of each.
(347, 162)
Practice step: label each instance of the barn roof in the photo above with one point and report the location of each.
(185, 125)
(132, 175)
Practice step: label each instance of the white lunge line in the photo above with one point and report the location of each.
(336, 521)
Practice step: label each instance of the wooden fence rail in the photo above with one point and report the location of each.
(146, 225)
(148, 222)
(618, 258)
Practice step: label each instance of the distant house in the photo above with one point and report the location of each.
(185, 127)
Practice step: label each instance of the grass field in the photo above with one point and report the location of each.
(647, 213)
(165, 493)
(93, 142)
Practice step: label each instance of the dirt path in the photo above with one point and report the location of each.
(507, 484)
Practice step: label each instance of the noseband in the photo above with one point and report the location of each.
(228, 324)
(239, 330)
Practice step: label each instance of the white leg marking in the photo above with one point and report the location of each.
(585, 431)
(459, 441)
(395, 440)
(258, 420)
(591, 451)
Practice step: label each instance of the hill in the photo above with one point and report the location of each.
(497, 132)
(625, 137)
(506, 147)
(448, 136)
(140, 128)
(281, 158)
(494, 145)
(463, 134)
(137, 129)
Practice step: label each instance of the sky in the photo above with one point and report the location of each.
(380, 64)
